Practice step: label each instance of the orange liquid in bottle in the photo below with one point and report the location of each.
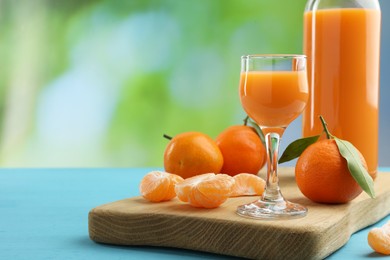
(342, 46)
(273, 98)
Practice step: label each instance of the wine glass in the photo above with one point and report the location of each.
(273, 92)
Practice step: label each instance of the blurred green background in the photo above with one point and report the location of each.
(96, 83)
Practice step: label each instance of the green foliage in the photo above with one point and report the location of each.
(296, 148)
(355, 166)
(177, 67)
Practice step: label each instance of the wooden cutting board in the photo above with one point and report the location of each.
(326, 228)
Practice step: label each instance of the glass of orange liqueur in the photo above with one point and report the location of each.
(341, 42)
(273, 92)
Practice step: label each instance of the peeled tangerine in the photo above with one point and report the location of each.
(379, 239)
(159, 186)
(247, 185)
(207, 190)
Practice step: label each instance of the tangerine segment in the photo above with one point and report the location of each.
(247, 184)
(205, 191)
(185, 188)
(379, 239)
(159, 186)
(174, 180)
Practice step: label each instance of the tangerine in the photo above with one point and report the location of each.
(247, 184)
(207, 190)
(159, 186)
(242, 150)
(379, 239)
(323, 176)
(192, 153)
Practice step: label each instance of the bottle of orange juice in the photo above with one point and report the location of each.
(342, 42)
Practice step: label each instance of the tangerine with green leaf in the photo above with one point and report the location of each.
(322, 174)
(332, 171)
(242, 150)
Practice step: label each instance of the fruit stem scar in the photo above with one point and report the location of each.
(246, 120)
(167, 137)
(325, 125)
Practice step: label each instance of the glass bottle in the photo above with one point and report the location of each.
(342, 43)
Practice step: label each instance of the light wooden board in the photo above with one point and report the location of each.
(326, 228)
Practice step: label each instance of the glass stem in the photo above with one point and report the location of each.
(272, 191)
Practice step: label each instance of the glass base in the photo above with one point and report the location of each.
(272, 210)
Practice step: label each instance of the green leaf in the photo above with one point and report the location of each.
(296, 148)
(355, 166)
(258, 130)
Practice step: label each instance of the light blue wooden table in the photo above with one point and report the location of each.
(44, 215)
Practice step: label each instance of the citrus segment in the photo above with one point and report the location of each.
(159, 186)
(206, 191)
(247, 185)
(379, 239)
(184, 189)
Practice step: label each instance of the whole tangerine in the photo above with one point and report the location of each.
(242, 150)
(323, 176)
(192, 153)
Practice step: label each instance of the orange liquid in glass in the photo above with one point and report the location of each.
(273, 98)
(343, 73)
